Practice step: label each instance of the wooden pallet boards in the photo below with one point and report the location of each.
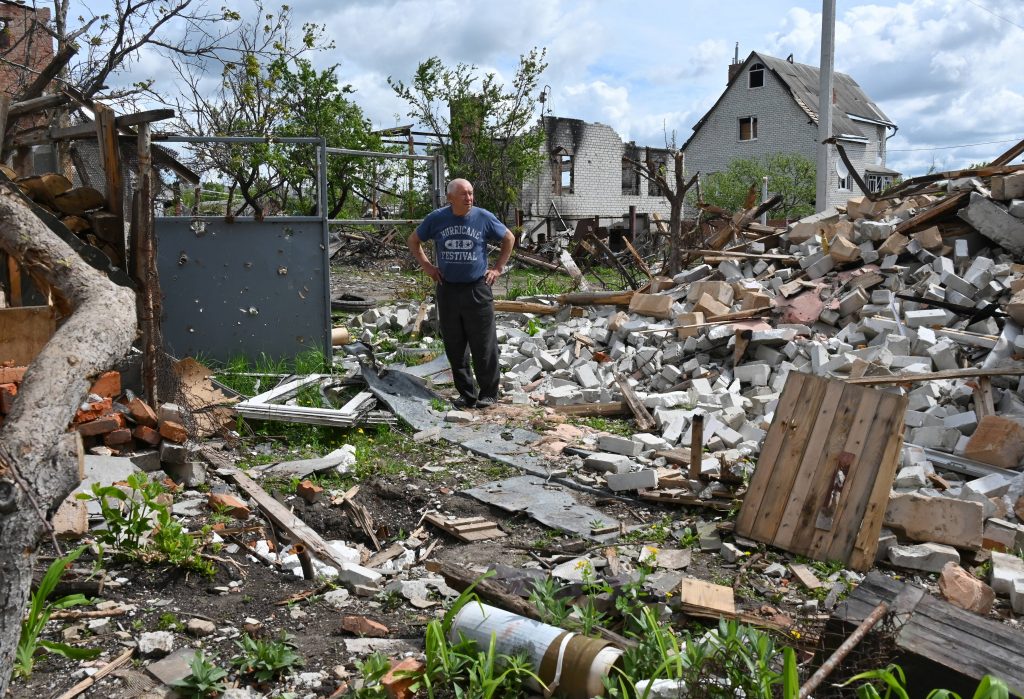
(823, 477)
(699, 595)
(467, 529)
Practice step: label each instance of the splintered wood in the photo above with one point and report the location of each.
(822, 481)
(467, 529)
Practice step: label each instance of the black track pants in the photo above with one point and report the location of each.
(466, 315)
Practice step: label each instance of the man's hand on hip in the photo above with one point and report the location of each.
(434, 272)
(491, 275)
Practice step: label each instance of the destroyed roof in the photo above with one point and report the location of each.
(852, 105)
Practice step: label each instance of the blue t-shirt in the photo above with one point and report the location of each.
(461, 241)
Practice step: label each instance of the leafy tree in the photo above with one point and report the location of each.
(268, 88)
(789, 174)
(484, 128)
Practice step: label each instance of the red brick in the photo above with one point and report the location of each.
(94, 410)
(12, 374)
(361, 626)
(108, 385)
(118, 437)
(229, 504)
(146, 435)
(173, 431)
(102, 425)
(7, 393)
(141, 413)
(398, 687)
(309, 491)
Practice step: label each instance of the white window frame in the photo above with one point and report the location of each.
(753, 128)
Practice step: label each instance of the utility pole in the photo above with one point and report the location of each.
(825, 68)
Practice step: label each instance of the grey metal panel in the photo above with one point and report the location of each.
(246, 288)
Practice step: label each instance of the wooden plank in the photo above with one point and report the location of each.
(984, 403)
(853, 442)
(770, 450)
(810, 477)
(644, 419)
(24, 331)
(798, 425)
(14, 278)
(110, 151)
(466, 531)
(613, 409)
(574, 271)
(698, 594)
(869, 487)
(946, 644)
(284, 519)
(938, 211)
(936, 375)
(506, 306)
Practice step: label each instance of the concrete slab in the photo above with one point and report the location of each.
(552, 505)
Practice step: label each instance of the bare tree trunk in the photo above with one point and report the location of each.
(35, 473)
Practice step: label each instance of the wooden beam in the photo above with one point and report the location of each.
(936, 375)
(88, 131)
(110, 151)
(937, 211)
(1009, 155)
(696, 445)
(23, 107)
(613, 409)
(644, 419)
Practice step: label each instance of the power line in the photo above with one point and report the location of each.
(982, 7)
(962, 145)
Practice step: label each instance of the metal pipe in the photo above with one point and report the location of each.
(306, 561)
(375, 154)
(168, 138)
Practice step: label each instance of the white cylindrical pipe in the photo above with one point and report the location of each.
(575, 664)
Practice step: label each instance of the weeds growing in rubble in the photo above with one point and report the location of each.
(139, 525)
(39, 611)
(204, 680)
(264, 661)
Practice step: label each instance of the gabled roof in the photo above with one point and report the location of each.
(802, 81)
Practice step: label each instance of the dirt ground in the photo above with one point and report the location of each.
(249, 596)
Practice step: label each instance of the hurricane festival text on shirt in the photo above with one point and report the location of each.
(460, 241)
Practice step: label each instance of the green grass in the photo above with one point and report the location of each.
(623, 428)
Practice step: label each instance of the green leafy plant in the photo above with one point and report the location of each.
(266, 660)
(39, 612)
(464, 668)
(169, 622)
(205, 680)
(179, 547)
(890, 681)
(373, 670)
(554, 609)
(129, 516)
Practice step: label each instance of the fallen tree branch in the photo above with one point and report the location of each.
(99, 331)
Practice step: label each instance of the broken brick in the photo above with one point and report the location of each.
(141, 413)
(173, 431)
(229, 504)
(12, 374)
(309, 491)
(998, 441)
(146, 435)
(964, 590)
(108, 385)
(397, 681)
(7, 393)
(362, 626)
(99, 426)
(92, 411)
(118, 437)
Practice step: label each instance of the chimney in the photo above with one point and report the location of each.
(735, 66)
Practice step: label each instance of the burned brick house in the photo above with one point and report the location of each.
(770, 105)
(589, 172)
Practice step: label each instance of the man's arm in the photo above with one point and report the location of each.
(430, 269)
(507, 243)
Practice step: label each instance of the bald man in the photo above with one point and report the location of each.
(465, 305)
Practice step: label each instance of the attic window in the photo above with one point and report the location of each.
(755, 76)
(748, 128)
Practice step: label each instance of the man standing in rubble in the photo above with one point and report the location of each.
(465, 304)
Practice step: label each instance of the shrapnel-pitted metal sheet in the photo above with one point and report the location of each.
(247, 288)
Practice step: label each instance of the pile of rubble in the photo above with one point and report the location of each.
(921, 293)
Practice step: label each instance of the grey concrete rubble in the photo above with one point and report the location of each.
(874, 298)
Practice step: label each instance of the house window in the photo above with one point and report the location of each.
(630, 178)
(755, 76)
(844, 183)
(748, 128)
(561, 171)
(877, 183)
(656, 163)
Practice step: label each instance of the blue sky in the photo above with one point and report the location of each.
(948, 72)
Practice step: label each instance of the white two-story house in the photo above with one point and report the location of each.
(770, 105)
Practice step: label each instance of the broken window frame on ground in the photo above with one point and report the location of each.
(269, 405)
